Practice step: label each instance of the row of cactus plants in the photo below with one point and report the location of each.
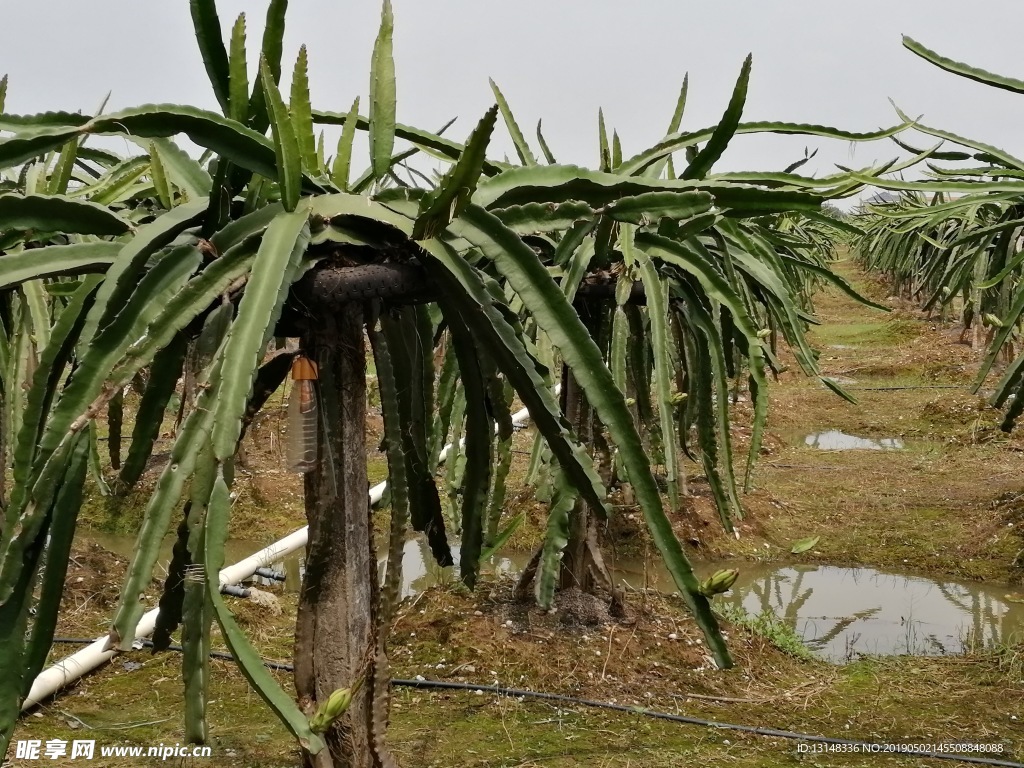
(114, 266)
(952, 239)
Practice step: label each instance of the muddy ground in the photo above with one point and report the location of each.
(949, 503)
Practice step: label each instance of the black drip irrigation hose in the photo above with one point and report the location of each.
(915, 386)
(865, 747)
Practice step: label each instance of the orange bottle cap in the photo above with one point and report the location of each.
(303, 369)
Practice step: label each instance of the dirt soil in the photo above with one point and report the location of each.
(653, 659)
(949, 503)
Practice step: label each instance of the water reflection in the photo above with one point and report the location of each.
(840, 612)
(834, 440)
(844, 612)
(420, 571)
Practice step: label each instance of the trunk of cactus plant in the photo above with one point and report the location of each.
(3, 452)
(582, 566)
(5, 322)
(574, 568)
(336, 633)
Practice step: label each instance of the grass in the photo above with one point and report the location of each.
(890, 333)
(769, 626)
(941, 507)
(450, 634)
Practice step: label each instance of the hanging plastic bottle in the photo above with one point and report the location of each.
(302, 416)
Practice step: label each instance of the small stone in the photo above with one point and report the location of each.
(673, 636)
(478, 613)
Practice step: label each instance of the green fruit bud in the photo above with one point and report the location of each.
(719, 582)
(335, 706)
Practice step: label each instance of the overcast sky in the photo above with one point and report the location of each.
(814, 61)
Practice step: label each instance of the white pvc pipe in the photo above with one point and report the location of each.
(72, 667)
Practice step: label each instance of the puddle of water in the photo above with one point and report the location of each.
(420, 571)
(834, 440)
(845, 612)
(839, 612)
